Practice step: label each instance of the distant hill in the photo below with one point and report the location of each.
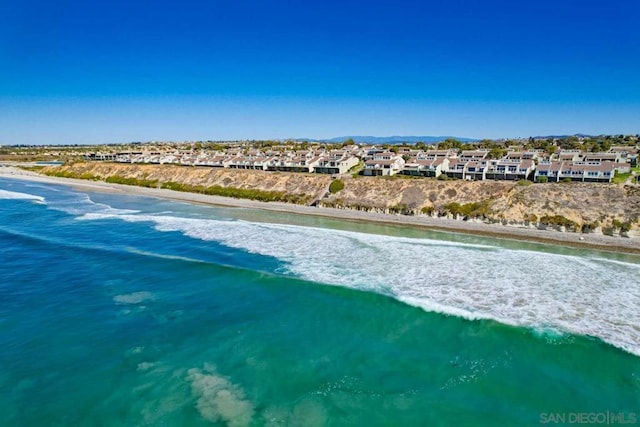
(579, 135)
(393, 139)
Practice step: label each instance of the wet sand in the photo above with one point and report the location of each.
(591, 241)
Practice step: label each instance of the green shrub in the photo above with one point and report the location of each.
(524, 183)
(427, 210)
(559, 220)
(589, 227)
(117, 179)
(531, 217)
(356, 171)
(622, 226)
(238, 193)
(216, 190)
(469, 210)
(175, 186)
(335, 186)
(453, 208)
(70, 174)
(542, 179)
(401, 208)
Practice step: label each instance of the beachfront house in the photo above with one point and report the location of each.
(427, 168)
(470, 170)
(383, 164)
(435, 154)
(475, 170)
(248, 162)
(588, 171)
(550, 170)
(629, 154)
(293, 164)
(459, 168)
(568, 156)
(512, 169)
(336, 165)
(621, 164)
(473, 155)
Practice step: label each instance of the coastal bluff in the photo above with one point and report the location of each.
(582, 207)
(303, 188)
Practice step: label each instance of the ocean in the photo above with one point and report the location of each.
(124, 310)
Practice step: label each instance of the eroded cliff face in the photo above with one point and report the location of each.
(608, 208)
(298, 184)
(383, 193)
(603, 204)
(602, 207)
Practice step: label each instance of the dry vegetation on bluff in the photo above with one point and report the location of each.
(307, 187)
(584, 206)
(609, 208)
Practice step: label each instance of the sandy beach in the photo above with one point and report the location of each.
(592, 241)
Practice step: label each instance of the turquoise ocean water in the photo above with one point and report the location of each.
(119, 310)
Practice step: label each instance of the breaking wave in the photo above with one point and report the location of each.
(12, 195)
(576, 294)
(79, 203)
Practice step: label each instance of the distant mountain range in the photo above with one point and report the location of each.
(390, 139)
(579, 135)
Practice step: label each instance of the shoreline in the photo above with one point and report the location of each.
(599, 242)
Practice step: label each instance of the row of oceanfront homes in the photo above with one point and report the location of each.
(477, 164)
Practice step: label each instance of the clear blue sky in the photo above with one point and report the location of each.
(82, 71)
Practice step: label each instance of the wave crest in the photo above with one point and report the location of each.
(575, 294)
(13, 195)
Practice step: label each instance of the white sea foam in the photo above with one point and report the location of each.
(162, 256)
(12, 195)
(576, 294)
(80, 203)
(219, 399)
(145, 366)
(133, 298)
